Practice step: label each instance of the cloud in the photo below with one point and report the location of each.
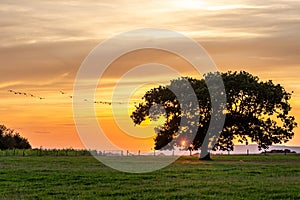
(9, 84)
(42, 44)
(41, 63)
(42, 132)
(35, 37)
(26, 22)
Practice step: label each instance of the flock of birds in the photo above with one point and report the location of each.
(25, 94)
(62, 93)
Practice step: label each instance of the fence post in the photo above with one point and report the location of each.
(40, 150)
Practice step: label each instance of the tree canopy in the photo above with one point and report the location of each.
(256, 111)
(9, 139)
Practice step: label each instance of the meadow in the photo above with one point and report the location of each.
(84, 177)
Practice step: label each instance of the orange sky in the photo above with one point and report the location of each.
(43, 43)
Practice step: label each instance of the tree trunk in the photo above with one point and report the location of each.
(205, 156)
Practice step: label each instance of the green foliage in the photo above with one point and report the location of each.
(255, 110)
(9, 139)
(83, 177)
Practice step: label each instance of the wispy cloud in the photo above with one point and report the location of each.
(9, 84)
(28, 22)
(43, 43)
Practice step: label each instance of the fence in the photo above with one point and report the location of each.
(44, 152)
(79, 152)
(83, 152)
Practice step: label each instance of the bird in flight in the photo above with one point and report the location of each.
(25, 94)
(68, 96)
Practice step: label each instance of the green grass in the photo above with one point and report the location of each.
(83, 177)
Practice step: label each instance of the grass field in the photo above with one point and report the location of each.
(83, 177)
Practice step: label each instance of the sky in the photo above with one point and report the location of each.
(43, 44)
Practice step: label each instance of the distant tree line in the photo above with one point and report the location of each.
(48, 152)
(285, 151)
(9, 139)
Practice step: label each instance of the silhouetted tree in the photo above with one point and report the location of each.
(9, 139)
(255, 111)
